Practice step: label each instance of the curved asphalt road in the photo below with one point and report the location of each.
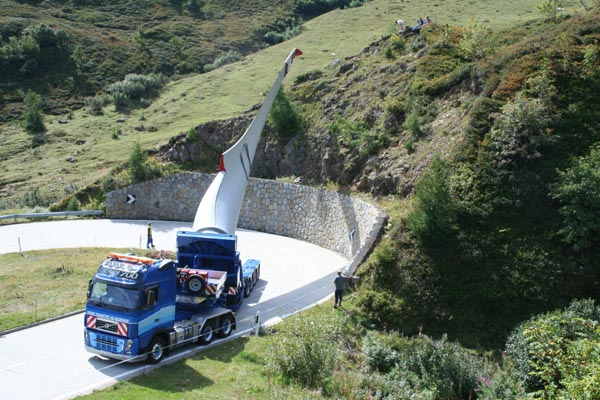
(49, 362)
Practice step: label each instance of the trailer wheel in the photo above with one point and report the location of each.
(195, 284)
(225, 327)
(207, 333)
(247, 289)
(156, 350)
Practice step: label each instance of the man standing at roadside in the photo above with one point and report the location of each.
(150, 242)
(339, 289)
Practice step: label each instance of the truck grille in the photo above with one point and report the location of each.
(106, 343)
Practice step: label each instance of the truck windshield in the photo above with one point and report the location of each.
(113, 296)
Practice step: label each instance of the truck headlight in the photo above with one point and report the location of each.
(86, 336)
(128, 346)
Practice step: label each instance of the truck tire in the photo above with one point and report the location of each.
(207, 334)
(247, 289)
(156, 350)
(225, 327)
(196, 284)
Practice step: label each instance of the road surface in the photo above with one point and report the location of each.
(49, 362)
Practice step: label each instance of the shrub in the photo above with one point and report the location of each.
(34, 121)
(556, 355)
(317, 7)
(380, 355)
(73, 204)
(476, 40)
(135, 87)
(421, 367)
(229, 58)
(574, 189)
(285, 116)
(34, 198)
(357, 136)
(389, 53)
(136, 164)
(46, 36)
(96, 103)
(413, 123)
(308, 76)
(380, 307)
(434, 217)
(397, 42)
(520, 130)
(305, 350)
(549, 8)
(192, 135)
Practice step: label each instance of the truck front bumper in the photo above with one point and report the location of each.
(122, 357)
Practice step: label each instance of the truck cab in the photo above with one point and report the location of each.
(139, 308)
(130, 300)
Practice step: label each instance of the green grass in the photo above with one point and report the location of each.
(220, 94)
(45, 284)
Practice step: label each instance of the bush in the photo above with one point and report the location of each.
(34, 121)
(308, 76)
(141, 168)
(434, 217)
(317, 7)
(380, 307)
(135, 87)
(191, 136)
(421, 367)
(73, 204)
(557, 355)
(285, 116)
(96, 103)
(413, 124)
(357, 136)
(305, 350)
(34, 198)
(229, 58)
(574, 189)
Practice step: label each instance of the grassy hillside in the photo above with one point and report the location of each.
(88, 141)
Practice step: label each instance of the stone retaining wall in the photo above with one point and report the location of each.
(328, 219)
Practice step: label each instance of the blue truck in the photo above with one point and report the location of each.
(140, 308)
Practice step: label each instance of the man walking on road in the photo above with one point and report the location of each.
(339, 289)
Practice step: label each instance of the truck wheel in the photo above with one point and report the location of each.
(195, 284)
(207, 333)
(156, 350)
(247, 289)
(226, 326)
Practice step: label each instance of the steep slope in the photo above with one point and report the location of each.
(503, 226)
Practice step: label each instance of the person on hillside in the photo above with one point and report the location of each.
(400, 24)
(339, 289)
(150, 242)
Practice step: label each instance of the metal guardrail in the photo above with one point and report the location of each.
(53, 214)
